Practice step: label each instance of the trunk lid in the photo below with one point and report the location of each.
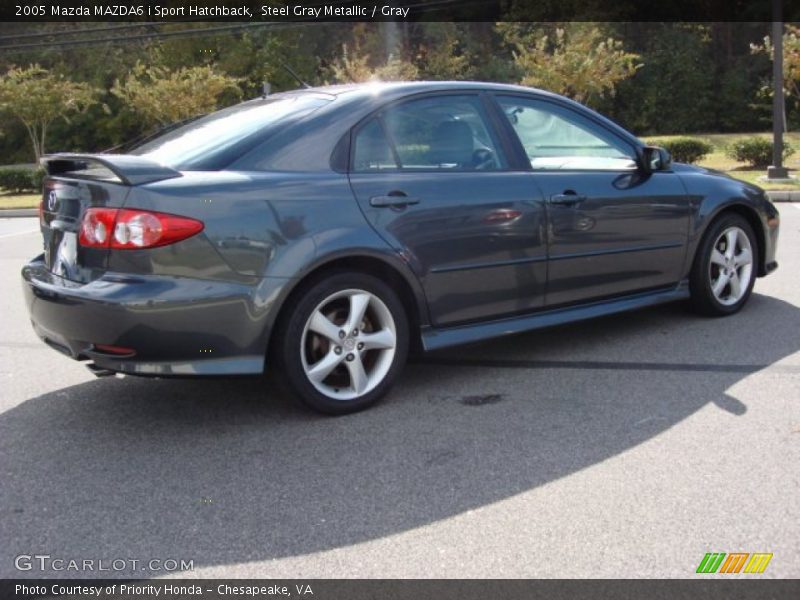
(75, 183)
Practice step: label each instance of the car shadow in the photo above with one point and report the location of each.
(230, 471)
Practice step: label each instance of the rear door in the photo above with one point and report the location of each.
(432, 177)
(612, 229)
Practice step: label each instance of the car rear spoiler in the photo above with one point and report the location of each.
(127, 168)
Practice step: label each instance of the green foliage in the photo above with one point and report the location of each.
(355, 68)
(366, 59)
(755, 151)
(432, 51)
(578, 61)
(37, 179)
(744, 109)
(653, 78)
(21, 180)
(791, 60)
(163, 96)
(440, 54)
(37, 97)
(260, 56)
(674, 92)
(686, 149)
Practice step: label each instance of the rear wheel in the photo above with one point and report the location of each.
(345, 343)
(725, 267)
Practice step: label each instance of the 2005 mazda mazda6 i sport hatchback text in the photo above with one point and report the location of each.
(324, 232)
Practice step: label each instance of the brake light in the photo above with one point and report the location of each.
(96, 226)
(123, 228)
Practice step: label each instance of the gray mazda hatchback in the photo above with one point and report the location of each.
(324, 232)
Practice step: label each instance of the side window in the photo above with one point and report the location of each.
(372, 151)
(554, 139)
(442, 133)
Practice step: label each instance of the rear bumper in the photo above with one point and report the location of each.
(176, 326)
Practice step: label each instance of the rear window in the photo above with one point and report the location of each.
(214, 141)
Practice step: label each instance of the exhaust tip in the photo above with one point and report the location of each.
(58, 347)
(99, 371)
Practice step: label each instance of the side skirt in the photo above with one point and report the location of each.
(436, 339)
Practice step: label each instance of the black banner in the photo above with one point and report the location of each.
(277, 11)
(375, 589)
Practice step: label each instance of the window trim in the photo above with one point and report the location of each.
(497, 134)
(561, 107)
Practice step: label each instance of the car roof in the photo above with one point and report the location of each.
(393, 88)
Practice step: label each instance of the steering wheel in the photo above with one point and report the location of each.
(483, 159)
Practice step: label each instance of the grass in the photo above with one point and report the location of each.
(718, 160)
(9, 200)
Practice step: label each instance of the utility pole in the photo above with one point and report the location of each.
(777, 170)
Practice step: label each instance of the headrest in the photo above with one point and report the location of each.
(452, 143)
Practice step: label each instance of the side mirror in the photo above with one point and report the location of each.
(653, 158)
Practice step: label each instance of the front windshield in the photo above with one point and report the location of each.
(216, 139)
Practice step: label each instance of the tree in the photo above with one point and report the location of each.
(163, 96)
(677, 56)
(353, 67)
(390, 52)
(791, 60)
(37, 97)
(579, 62)
(440, 54)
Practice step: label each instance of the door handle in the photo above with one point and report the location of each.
(392, 199)
(568, 198)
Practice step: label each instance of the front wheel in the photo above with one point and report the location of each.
(725, 267)
(345, 343)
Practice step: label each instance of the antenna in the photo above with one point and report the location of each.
(291, 72)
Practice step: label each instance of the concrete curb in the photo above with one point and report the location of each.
(781, 196)
(19, 212)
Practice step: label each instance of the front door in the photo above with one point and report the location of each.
(612, 229)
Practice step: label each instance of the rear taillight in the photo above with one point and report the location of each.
(123, 228)
(96, 227)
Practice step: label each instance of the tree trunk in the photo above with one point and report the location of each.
(34, 140)
(41, 144)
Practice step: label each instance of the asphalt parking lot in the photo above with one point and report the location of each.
(622, 447)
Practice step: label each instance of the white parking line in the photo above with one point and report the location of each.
(6, 235)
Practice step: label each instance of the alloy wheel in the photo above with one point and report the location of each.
(348, 345)
(731, 266)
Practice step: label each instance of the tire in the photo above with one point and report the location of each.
(722, 278)
(333, 361)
